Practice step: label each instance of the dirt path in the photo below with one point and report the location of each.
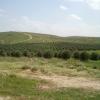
(75, 82)
(29, 35)
(5, 98)
(65, 81)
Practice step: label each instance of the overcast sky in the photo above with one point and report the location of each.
(58, 17)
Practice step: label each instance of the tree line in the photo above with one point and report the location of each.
(67, 54)
(63, 54)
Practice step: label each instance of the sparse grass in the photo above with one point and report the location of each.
(69, 67)
(28, 89)
(25, 67)
(12, 37)
(93, 64)
(16, 86)
(25, 89)
(70, 94)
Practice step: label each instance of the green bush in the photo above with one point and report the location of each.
(48, 54)
(76, 55)
(84, 56)
(25, 67)
(65, 54)
(59, 55)
(94, 56)
(3, 53)
(16, 54)
(39, 54)
(28, 54)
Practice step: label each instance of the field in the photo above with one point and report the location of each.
(49, 49)
(70, 67)
(16, 88)
(32, 78)
(26, 76)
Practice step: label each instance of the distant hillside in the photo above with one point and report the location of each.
(12, 37)
(25, 37)
(85, 40)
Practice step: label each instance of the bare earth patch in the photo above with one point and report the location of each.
(75, 82)
(64, 81)
(5, 98)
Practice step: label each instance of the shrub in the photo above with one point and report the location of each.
(65, 54)
(8, 53)
(76, 55)
(48, 54)
(39, 54)
(12, 75)
(16, 54)
(25, 67)
(59, 55)
(56, 54)
(94, 56)
(34, 69)
(99, 56)
(94, 67)
(3, 53)
(84, 56)
(28, 54)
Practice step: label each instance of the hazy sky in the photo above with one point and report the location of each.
(59, 17)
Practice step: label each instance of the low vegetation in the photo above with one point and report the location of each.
(18, 88)
(64, 54)
(69, 67)
(30, 55)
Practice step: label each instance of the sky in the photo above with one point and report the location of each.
(57, 17)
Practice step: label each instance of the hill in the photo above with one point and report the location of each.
(85, 40)
(26, 37)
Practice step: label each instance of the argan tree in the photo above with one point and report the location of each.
(84, 56)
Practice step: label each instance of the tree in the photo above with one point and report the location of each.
(59, 55)
(84, 56)
(28, 54)
(94, 56)
(16, 54)
(76, 55)
(3, 53)
(66, 54)
(39, 54)
(48, 54)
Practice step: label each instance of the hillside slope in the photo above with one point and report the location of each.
(25, 37)
(86, 40)
(12, 37)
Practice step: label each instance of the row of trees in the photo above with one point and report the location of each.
(16, 53)
(65, 54)
(68, 54)
(86, 56)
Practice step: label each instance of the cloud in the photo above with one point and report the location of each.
(62, 7)
(76, 17)
(25, 23)
(94, 4)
